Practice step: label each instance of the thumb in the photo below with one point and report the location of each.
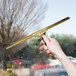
(46, 39)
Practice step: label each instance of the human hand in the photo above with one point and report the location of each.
(52, 47)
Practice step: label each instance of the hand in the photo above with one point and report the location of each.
(52, 47)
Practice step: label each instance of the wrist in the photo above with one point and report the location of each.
(61, 56)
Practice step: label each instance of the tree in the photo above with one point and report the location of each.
(32, 52)
(16, 16)
(67, 42)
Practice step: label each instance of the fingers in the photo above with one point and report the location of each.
(49, 52)
(46, 39)
(43, 47)
(42, 42)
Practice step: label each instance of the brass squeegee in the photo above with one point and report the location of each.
(36, 34)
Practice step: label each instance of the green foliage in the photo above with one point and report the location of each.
(10, 73)
(31, 51)
(8, 65)
(67, 43)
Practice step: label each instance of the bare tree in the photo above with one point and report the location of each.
(15, 17)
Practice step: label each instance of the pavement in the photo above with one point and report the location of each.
(1, 72)
(22, 72)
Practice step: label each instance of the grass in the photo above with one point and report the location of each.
(10, 73)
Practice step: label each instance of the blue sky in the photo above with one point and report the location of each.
(57, 10)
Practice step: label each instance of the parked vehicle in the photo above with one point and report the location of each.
(50, 72)
(39, 66)
(18, 61)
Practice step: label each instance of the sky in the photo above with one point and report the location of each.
(57, 10)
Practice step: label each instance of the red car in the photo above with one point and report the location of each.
(39, 66)
(18, 61)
